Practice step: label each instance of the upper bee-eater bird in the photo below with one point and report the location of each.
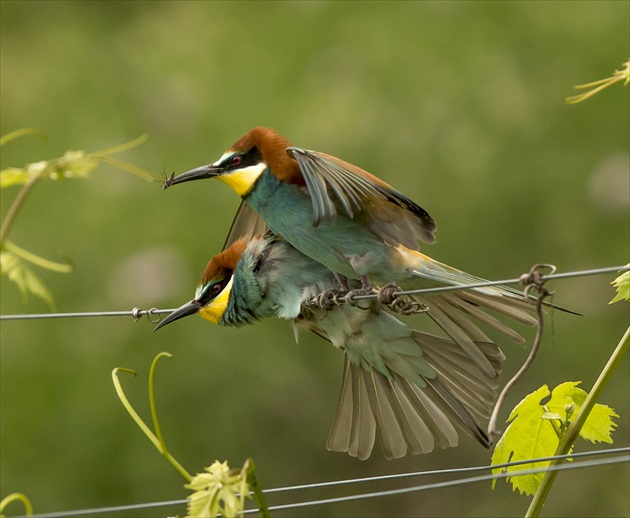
(358, 226)
(411, 387)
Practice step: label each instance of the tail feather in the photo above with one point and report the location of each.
(459, 318)
(458, 313)
(363, 425)
(471, 391)
(456, 413)
(390, 420)
(418, 437)
(341, 430)
(449, 321)
(424, 402)
(410, 416)
(508, 306)
(482, 316)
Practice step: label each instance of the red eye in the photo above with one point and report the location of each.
(237, 160)
(216, 289)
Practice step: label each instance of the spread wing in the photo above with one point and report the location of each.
(334, 184)
(246, 223)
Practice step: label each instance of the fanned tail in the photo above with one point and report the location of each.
(414, 413)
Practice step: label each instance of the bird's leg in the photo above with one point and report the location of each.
(332, 297)
(344, 285)
(365, 289)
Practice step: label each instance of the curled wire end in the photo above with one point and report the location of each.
(532, 280)
(151, 314)
(390, 295)
(535, 279)
(156, 317)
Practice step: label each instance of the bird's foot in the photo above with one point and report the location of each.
(350, 296)
(391, 296)
(329, 299)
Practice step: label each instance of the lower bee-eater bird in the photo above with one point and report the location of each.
(355, 224)
(410, 386)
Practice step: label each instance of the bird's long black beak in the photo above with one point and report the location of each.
(199, 173)
(190, 308)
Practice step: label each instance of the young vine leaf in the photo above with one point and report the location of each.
(218, 490)
(622, 285)
(73, 164)
(535, 430)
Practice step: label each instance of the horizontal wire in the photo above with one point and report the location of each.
(483, 284)
(449, 471)
(378, 478)
(449, 483)
(103, 510)
(137, 313)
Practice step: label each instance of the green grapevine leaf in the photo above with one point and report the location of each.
(218, 490)
(15, 269)
(599, 424)
(528, 436)
(622, 284)
(535, 429)
(13, 176)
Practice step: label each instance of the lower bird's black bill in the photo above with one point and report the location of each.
(190, 308)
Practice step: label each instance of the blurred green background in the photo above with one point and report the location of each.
(460, 105)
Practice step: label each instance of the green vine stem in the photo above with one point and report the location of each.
(574, 428)
(35, 259)
(141, 424)
(250, 469)
(156, 424)
(17, 204)
(103, 156)
(28, 508)
(5, 139)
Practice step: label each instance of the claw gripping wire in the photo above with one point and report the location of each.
(328, 299)
(389, 296)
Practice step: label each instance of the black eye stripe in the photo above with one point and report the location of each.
(212, 289)
(252, 157)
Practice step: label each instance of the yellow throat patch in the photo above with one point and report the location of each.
(215, 310)
(243, 180)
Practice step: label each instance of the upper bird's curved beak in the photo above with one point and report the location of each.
(190, 308)
(199, 173)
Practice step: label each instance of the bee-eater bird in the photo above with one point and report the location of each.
(410, 386)
(358, 226)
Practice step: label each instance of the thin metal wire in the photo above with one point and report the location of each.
(437, 485)
(137, 313)
(449, 471)
(565, 275)
(449, 483)
(102, 510)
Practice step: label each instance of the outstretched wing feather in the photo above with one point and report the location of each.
(334, 184)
